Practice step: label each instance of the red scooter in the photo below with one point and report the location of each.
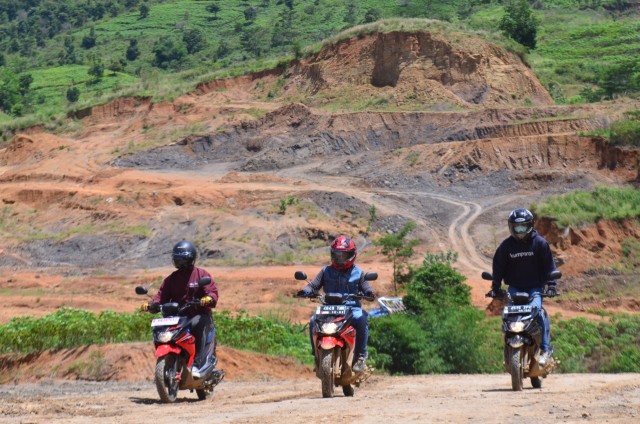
(333, 338)
(176, 350)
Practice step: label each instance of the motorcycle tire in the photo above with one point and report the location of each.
(326, 373)
(348, 390)
(165, 378)
(536, 382)
(515, 367)
(204, 394)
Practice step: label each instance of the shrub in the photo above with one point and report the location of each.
(625, 133)
(401, 346)
(436, 284)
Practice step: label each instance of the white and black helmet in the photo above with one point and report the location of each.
(520, 223)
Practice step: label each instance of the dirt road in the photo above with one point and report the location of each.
(566, 398)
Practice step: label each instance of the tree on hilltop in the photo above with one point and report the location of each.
(519, 23)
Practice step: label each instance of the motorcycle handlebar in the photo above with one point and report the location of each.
(346, 297)
(506, 295)
(160, 306)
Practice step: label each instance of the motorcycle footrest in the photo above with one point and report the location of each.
(217, 376)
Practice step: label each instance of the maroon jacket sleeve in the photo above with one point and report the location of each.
(162, 294)
(212, 290)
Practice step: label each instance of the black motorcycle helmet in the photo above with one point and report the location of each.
(184, 254)
(520, 224)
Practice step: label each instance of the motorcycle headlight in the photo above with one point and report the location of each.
(329, 328)
(165, 336)
(516, 326)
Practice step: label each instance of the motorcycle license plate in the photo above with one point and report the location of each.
(518, 309)
(161, 322)
(331, 310)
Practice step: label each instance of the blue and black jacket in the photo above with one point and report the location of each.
(523, 265)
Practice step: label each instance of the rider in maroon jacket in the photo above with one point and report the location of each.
(181, 286)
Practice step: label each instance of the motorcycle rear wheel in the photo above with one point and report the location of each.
(204, 394)
(515, 366)
(326, 372)
(165, 378)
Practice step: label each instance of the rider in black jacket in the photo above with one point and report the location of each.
(524, 261)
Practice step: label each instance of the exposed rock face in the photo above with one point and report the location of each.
(425, 66)
(590, 247)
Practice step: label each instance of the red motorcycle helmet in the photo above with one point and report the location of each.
(343, 253)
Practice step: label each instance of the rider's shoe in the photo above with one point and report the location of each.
(544, 358)
(358, 366)
(195, 372)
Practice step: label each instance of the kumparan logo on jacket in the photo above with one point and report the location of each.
(520, 254)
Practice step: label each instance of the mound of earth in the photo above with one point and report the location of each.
(432, 68)
(135, 362)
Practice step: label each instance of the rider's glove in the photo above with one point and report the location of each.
(150, 307)
(370, 294)
(304, 293)
(496, 291)
(206, 301)
(551, 290)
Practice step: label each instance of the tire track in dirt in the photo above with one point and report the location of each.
(567, 398)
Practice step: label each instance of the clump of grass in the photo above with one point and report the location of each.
(627, 131)
(587, 207)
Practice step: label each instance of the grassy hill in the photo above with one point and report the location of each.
(586, 49)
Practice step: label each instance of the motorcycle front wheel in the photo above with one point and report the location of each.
(348, 390)
(536, 382)
(166, 378)
(326, 372)
(515, 367)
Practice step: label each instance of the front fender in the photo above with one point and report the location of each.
(165, 349)
(328, 342)
(515, 341)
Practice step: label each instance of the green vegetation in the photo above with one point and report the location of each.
(257, 334)
(70, 327)
(587, 207)
(398, 250)
(627, 131)
(607, 346)
(72, 54)
(520, 23)
(440, 333)
(288, 201)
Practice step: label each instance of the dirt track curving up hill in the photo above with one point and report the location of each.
(92, 211)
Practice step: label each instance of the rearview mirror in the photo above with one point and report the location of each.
(300, 275)
(487, 276)
(371, 276)
(141, 290)
(555, 275)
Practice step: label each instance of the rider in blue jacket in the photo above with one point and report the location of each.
(524, 261)
(343, 276)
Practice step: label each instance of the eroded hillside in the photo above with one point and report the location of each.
(255, 179)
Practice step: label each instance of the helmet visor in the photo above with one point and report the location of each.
(341, 257)
(521, 229)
